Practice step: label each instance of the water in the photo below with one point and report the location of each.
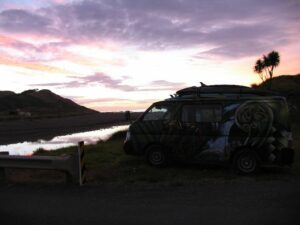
(89, 137)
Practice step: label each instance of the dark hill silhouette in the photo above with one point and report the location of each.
(38, 103)
(6, 93)
(284, 84)
(288, 86)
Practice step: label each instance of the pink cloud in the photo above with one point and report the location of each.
(114, 83)
(95, 79)
(60, 1)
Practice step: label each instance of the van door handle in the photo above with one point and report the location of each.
(179, 123)
(175, 124)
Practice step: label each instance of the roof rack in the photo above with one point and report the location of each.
(222, 90)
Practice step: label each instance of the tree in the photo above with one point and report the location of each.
(273, 61)
(265, 66)
(259, 68)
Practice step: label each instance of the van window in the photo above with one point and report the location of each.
(201, 113)
(158, 112)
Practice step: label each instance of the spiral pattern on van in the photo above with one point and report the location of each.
(256, 119)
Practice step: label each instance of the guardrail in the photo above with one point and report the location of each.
(72, 165)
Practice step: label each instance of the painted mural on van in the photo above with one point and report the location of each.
(247, 131)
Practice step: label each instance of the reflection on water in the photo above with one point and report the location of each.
(89, 137)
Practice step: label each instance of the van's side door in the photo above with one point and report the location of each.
(203, 120)
(181, 135)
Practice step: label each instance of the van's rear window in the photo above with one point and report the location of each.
(158, 112)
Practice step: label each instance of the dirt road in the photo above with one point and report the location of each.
(243, 201)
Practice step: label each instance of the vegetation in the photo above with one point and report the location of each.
(288, 86)
(265, 66)
(284, 84)
(107, 163)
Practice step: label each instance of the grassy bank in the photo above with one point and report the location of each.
(106, 162)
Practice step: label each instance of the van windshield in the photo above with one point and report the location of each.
(158, 112)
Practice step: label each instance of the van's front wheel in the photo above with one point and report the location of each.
(156, 156)
(246, 162)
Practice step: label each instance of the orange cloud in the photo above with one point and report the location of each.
(32, 66)
(4, 40)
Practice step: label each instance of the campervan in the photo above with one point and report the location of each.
(230, 124)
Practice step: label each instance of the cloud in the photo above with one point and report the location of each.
(114, 104)
(8, 61)
(22, 21)
(163, 85)
(32, 52)
(234, 28)
(106, 81)
(95, 79)
(242, 49)
(86, 101)
(113, 83)
(165, 24)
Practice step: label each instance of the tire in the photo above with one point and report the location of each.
(246, 162)
(156, 156)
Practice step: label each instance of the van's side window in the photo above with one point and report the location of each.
(158, 112)
(201, 113)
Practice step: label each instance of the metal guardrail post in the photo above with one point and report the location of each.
(73, 165)
(81, 163)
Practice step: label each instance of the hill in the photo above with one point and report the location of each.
(38, 103)
(6, 93)
(288, 86)
(284, 84)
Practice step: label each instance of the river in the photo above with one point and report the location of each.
(89, 137)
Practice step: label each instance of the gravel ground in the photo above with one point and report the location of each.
(242, 201)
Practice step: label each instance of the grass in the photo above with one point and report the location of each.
(107, 163)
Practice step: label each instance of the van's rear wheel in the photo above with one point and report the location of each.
(156, 156)
(246, 162)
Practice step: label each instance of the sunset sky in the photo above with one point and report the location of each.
(113, 55)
